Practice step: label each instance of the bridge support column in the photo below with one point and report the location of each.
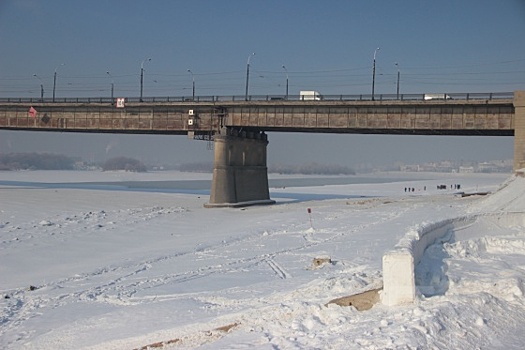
(240, 174)
(519, 130)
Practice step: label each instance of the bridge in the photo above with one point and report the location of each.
(238, 125)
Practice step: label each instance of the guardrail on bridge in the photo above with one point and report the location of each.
(377, 97)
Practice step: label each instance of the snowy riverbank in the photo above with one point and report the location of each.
(121, 269)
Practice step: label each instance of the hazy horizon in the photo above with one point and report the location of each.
(352, 150)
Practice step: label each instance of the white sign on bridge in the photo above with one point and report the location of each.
(121, 102)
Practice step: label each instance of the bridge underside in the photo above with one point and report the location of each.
(372, 131)
(199, 134)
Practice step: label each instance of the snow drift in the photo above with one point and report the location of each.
(115, 268)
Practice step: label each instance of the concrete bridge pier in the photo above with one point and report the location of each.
(519, 130)
(240, 174)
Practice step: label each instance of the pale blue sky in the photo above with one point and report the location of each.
(440, 46)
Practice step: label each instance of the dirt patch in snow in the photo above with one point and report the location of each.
(161, 344)
(362, 301)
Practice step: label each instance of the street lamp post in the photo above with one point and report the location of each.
(192, 85)
(398, 74)
(112, 86)
(374, 74)
(41, 87)
(142, 77)
(286, 71)
(55, 80)
(248, 75)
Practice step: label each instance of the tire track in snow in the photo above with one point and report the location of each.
(137, 268)
(117, 291)
(241, 263)
(278, 269)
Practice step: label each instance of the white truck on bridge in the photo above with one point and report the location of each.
(437, 97)
(310, 95)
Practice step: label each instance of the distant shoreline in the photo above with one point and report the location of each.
(181, 182)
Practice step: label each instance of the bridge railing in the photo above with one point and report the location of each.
(273, 98)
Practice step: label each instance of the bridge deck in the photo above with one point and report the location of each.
(445, 117)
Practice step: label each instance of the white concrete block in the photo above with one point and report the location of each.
(398, 278)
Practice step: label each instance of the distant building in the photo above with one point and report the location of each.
(466, 169)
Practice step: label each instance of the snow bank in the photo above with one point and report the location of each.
(399, 264)
(121, 269)
(508, 198)
(503, 209)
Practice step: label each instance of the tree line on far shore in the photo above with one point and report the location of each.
(305, 169)
(35, 161)
(50, 161)
(311, 169)
(124, 163)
